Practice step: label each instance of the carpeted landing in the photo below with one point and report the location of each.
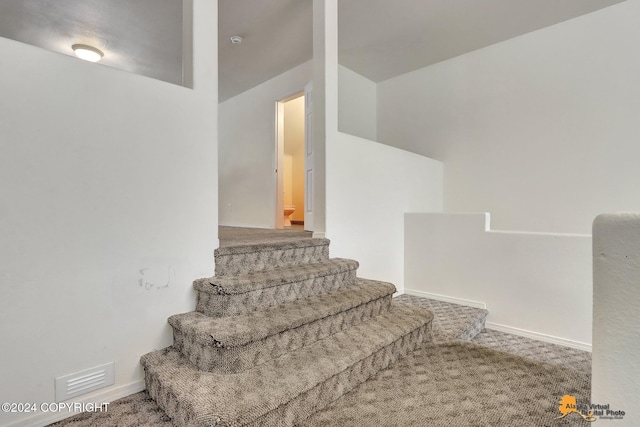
(446, 384)
(234, 236)
(459, 384)
(283, 335)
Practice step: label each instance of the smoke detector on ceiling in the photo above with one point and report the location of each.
(236, 39)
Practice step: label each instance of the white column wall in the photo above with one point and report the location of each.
(616, 324)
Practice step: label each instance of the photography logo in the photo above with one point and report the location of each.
(569, 405)
(590, 413)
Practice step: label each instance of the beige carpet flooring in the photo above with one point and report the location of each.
(231, 236)
(481, 383)
(459, 384)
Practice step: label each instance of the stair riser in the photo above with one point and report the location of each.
(316, 399)
(473, 329)
(451, 321)
(251, 262)
(216, 305)
(303, 405)
(237, 359)
(179, 411)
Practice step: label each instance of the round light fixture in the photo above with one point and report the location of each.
(236, 39)
(88, 53)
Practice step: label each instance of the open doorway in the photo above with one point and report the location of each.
(290, 158)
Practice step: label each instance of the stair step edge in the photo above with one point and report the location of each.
(234, 331)
(248, 282)
(238, 359)
(271, 246)
(213, 398)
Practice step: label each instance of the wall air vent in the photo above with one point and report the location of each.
(83, 382)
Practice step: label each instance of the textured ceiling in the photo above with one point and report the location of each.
(140, 36)
(379, 39)
(277, 36)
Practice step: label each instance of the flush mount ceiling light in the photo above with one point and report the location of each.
(236, 39)
(88, 53)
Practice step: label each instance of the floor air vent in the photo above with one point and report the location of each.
(83, 382)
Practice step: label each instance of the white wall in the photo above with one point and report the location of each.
(246, 133)
(247, 144)
(103, 173)
(370, 186)
(540, 130)
(616, 324)
(535, 284)
(357, 101)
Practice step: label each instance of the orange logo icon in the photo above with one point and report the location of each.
(569, 405)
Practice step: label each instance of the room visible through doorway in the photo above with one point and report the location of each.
(291, 158)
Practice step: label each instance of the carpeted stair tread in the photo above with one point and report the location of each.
(286, 390)
(272, 288)
(234, 331)
(211, 345)
(250, 282)
(271, 245)
(241, 259)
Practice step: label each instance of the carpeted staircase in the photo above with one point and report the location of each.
(279, 332)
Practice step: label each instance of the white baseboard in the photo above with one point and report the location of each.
(107, 396)
(538, 336)
(444, 298)
(319, 235)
